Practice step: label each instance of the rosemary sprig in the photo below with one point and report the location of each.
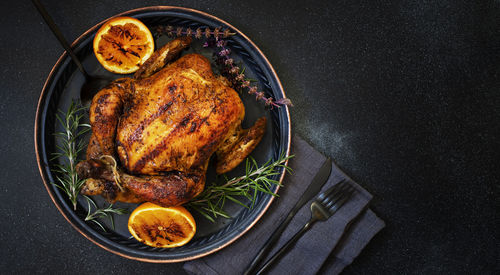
(105, 212)
(232, 72)
(71, 145)
(210, 202)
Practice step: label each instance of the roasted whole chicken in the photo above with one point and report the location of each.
(154, 134)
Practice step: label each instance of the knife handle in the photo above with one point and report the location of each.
(287, 246)
(311, 190)
(57, 32)
(269, 243)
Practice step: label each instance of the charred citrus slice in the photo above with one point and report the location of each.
(122, 44)
(159, 226)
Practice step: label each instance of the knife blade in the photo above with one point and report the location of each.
(317, 182)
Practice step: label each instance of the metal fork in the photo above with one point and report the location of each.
(322, 208)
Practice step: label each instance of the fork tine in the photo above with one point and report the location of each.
(334, 189)
(341, 201)
(334, 198)
(323, 207)
(330, 196)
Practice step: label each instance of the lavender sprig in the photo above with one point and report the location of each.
(198, 33)
(228, 68)
(237, 76)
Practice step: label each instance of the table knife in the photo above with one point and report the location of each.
(318, 181)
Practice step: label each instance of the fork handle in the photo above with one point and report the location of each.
(287, 246)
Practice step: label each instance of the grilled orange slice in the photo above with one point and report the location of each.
(122, 44)
(159, 226)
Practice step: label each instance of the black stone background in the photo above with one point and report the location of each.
(403, 95)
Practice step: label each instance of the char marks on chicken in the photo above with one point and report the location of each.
(162, 126)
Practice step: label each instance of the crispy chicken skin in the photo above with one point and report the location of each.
(177, 119)
(167, 190)
(163, 126)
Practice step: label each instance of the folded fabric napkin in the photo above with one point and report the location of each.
(327, 247)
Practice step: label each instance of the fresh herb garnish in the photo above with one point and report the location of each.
(210, 202)
(71, 145)
(102, 213)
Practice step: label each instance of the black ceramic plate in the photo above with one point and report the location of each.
(63, 86)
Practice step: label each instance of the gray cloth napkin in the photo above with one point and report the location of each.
(327, 247)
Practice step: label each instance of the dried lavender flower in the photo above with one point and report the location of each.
(216, 32)
(269, 101)
(253, 90)
(198, 33)
(234, 70)
(259, 95)
(221, 43)
(224, 52)
(158, 31)
(240, 77)
(178, 31)
(284, 101)
(169, 30)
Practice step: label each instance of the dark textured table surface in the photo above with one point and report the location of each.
(405, 96)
